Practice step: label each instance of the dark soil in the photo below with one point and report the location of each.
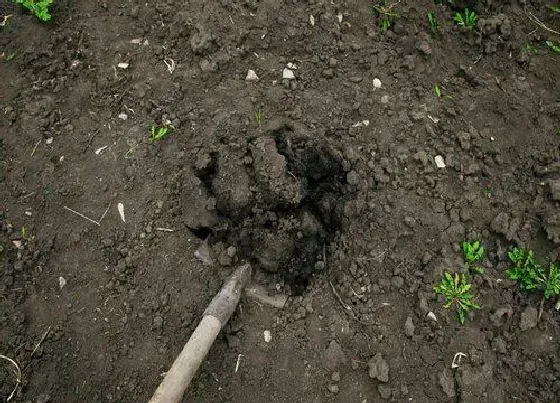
(325, 183)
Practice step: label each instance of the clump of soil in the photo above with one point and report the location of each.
(277, 201)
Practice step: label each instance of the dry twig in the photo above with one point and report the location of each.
(17, 374)
(540, 23)
(98, 223)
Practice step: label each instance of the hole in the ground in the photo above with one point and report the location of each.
(280, 208)
(201, 233)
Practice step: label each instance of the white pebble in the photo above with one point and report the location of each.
(120, 208)
(312, 20)
(251, 76)
(288, 74)
(61, 282)
(123, 116)
(376, 83)
(122, 65)
(49, 140)
(100, 150)
(385, 99)
(291, 66)
(267, 336)
(431, 316)
(438, 159)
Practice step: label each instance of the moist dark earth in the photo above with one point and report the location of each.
(321, 173)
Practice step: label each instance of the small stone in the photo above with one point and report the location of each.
(384, 391)
(431, 316)
(333, 388)
(353, 178)
(61, 282)
(328, 73)
(335, 377)
(123, 116)
(397, 281)
(312, 20)
(385, 99)
(288, 74)
(424, 47)
(376, 83)
(231, 251)
(378, 368)
(43, 398)
(208, 66)
(501, 315)
(251, 76)
(267, 336)
(409, 327)
(440, 163)
(333, 356)
(122, 65)
(530, 366)
(529, 318)
(157, 323)
(447, 383)
(555, 189)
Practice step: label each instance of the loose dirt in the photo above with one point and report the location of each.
(321, 171)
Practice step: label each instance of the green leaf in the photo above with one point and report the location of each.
(554, 46)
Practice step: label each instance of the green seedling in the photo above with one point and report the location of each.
(437, 90)
(531, 48)
(456, 291)
(466, 19)
(526, 269)
(10, 56)
(432, 21)
(39, 8)
(158, 133)
(531, 275)
(552, 283)
(258, 117)
(386, 13)
(554, 46)
(472, 253)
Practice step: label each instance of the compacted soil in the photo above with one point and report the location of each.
(319, 167)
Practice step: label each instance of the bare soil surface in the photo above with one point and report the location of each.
(322, 173)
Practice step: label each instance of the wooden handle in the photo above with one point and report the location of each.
(217, 314)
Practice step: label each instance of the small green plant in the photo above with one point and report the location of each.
(158, 133)
(531, 275)
(386, 13)
(526, 269)
(553, 8)
(456, 291)
(437, 90)
(554, 46)
(472, 253)
(258, 117)
(466, 19)
(39, 8)
(10, 56)
(552, 283)
(432, 21)
(531, 48)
